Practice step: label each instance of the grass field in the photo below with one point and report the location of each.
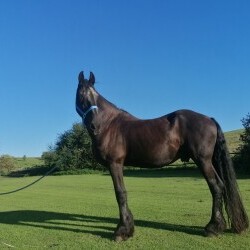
(80, 212)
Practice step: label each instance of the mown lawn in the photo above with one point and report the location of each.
(80, 212)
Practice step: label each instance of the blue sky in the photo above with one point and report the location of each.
(150, 57)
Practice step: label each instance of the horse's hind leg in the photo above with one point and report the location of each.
(217, 224)
(125, 227)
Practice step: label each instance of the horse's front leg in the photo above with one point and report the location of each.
(125, 227)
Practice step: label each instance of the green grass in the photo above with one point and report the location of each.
(80, 212)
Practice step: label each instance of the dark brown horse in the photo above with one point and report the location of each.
(120, 139)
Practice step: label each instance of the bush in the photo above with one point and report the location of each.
(72, 151)
(7, 164)
(242, 158)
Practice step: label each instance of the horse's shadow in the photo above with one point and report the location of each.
(95, 225)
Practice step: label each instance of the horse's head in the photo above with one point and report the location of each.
(86, 96)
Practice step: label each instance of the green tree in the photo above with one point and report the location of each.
(72, 151)
(242, 158)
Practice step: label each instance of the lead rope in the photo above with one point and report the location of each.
(19, 189)
(32, 183)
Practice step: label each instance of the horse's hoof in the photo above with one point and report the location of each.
(210, 234)
(213, 230)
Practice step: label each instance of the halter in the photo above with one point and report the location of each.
(84, 114)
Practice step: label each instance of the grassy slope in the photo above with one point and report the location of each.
(233, 139)
(80, 212)
(28, 162)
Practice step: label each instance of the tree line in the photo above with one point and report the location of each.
(242, 158)
(72, 151)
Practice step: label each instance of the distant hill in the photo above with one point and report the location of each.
(233, 139)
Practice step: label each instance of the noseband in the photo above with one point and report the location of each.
(84, 114)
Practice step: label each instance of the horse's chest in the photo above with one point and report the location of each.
(108, 150)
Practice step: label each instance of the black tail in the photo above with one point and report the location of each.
(232, 200)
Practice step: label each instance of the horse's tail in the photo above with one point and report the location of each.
(233, 204)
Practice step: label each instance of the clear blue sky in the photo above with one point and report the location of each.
(150, 57)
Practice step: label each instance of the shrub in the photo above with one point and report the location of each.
(72, 151)
(6, 164)
(242, 158)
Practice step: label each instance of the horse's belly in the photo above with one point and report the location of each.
(154, 157)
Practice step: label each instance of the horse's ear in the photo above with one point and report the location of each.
(81, 77)
(91, 78)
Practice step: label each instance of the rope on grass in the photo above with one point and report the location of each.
(8, 245)
(30, 246)
(32, 183)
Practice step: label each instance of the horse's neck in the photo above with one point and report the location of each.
(106, 112)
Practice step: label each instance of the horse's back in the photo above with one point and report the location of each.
(193, 124)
